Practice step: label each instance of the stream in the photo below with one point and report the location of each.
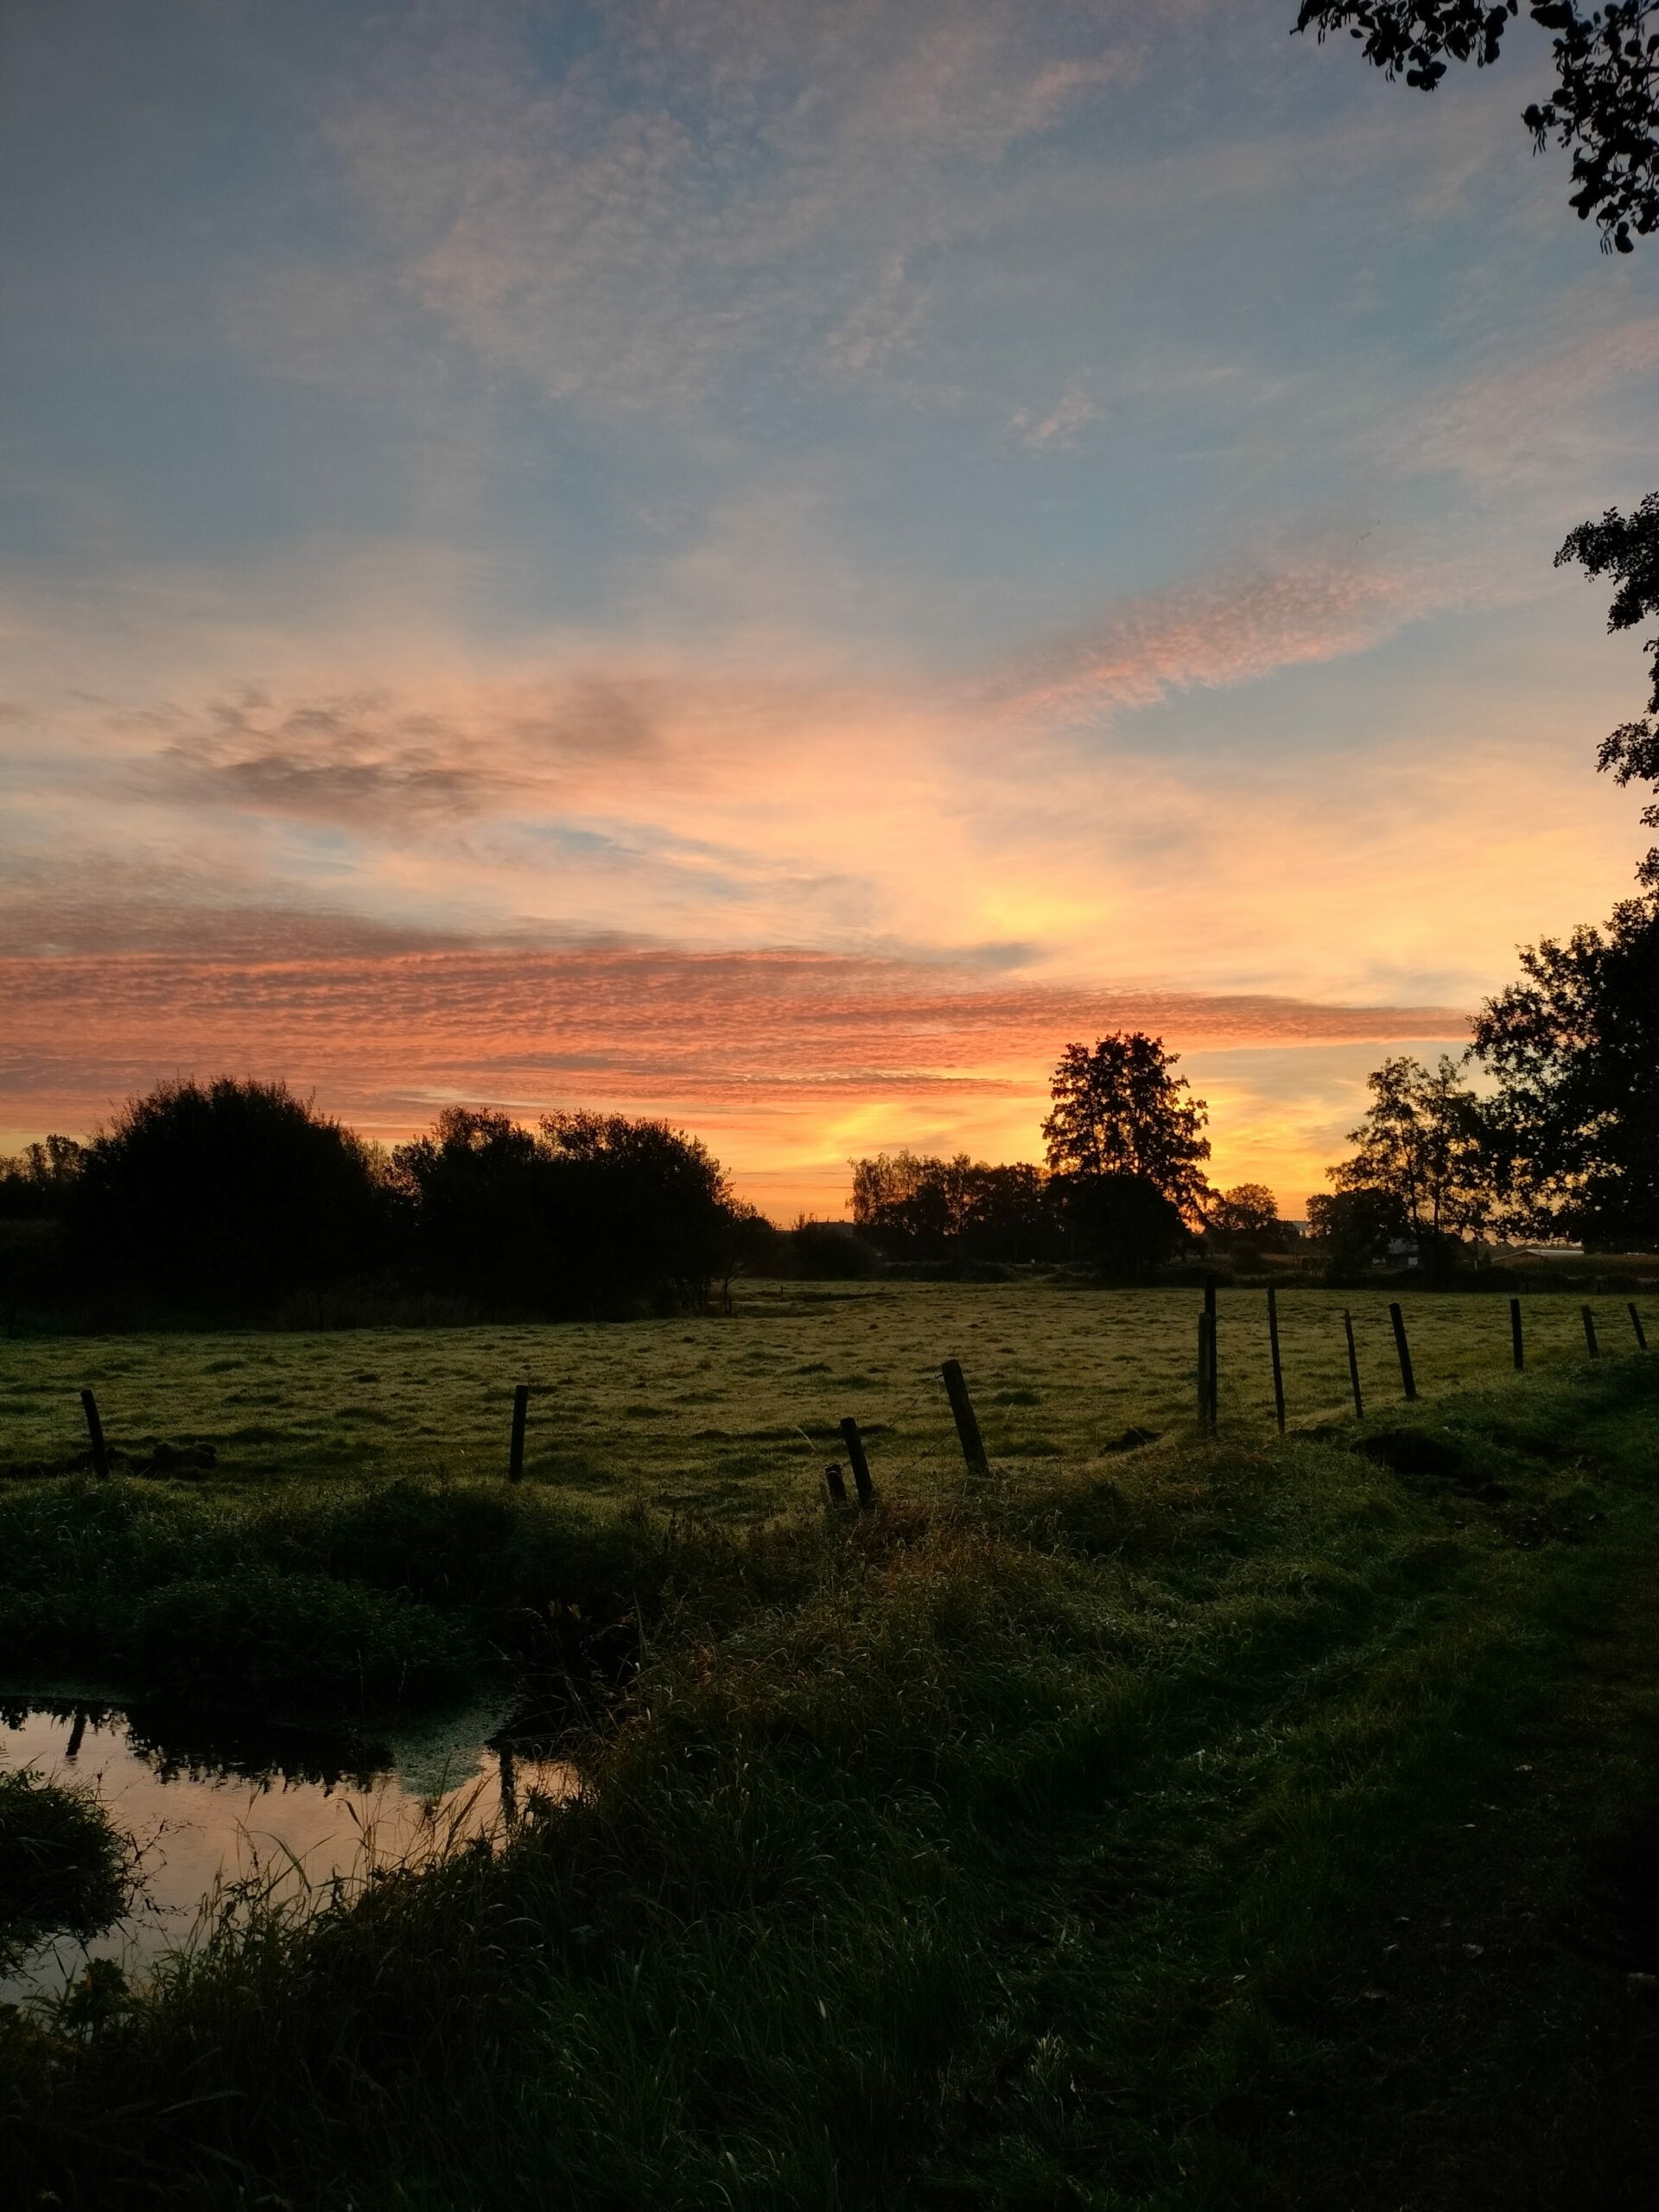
(209, 1807)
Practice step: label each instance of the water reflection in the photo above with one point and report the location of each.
(213, 1805)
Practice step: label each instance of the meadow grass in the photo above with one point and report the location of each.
(734, 1418)
(1219, 1825)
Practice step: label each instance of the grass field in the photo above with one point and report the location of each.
(1224, 1825)
(735, 1418)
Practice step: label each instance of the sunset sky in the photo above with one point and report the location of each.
(771, 562)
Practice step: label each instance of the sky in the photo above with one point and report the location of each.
(772, 563)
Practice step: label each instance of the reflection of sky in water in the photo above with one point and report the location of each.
(276, 1817)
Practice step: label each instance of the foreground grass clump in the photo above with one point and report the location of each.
(1078, 1839)
(62, 1865)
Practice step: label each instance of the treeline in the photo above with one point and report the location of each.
(1546, 1128)
(917, 1207)
(238, 1200)
(1122, 1190)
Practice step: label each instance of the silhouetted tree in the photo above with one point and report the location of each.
(643, 1207)
(1246, 1219)
(1606, 108)
(1576, 1048)
(1126, 1149)
(222, 1198)
(1607, 79)
(1354, 1228)
(1424, 1145)
(1626, 548)
(35, 1183)
(1120, 1109)
(475, 1211)
(590, 1213)
(916, 1206)
(1124, 1224)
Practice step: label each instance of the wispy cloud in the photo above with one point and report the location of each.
(1058, 428)
(1313, 602)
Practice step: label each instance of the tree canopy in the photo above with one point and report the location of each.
(1119, 1109)
(1420, 1156)
(1575, 1046)
(1626, 548)
(1606, 91)
(1126, 1150)
(221, 1195)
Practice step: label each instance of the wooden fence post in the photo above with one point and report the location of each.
(833, 1484)
(1515, 1343)
(1203, 1370)
(962, 1408)
(1353, 1364)
(1641, 1334)
(1408, 1381)
(516, 1455)
(1278, 1370)
(95, 1430)
(861, 1467)
(1213, 1390)
(1590, 1332)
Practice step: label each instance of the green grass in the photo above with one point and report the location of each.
(735, 1418)
(1215, 1826)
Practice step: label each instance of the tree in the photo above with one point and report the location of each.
(474, 1205)
(1607, 109)
(35, 1183)
(1121, 1110)
(1626, 548)
(588, 1213)
(1124, 1224)
(1126, 1151)
(1247, 1217)
(1606, 77)
(641, 1207)
(919, 1206)
(1423, 1147)
(1356, 1227)
(1576, 1048)
(221, 1197)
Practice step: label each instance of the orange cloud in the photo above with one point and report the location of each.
(786, 1061)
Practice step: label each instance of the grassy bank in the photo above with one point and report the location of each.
(1224, 1826)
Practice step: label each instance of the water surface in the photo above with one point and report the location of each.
(290, 1809)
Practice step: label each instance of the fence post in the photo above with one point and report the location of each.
(833, 1484)
(1408, 1381)
(1641, 1334)
(1213, 1390)
(95, 1430)
(962, 1406)
(1353, 1363)
(1517, 1347)
(1278, 1370)
(1203, 1370)
(516, 1455)
(853, 1444)
(1590, 1332)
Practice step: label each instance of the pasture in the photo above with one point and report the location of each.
(735, 1418)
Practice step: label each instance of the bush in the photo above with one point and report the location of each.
(821, 1252)
(296, 1641)
(62, 1866)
